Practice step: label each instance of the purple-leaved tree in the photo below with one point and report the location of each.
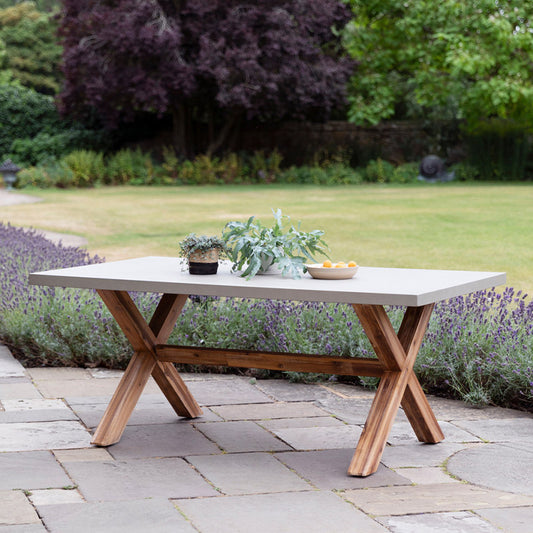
(214, 63)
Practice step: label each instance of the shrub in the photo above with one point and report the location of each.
(479, 347)
(23, 114)
(406, 173)
(333, 174)
(499, 149)
(130, 166)
(87, 167)
(379, 171)
(465, 172)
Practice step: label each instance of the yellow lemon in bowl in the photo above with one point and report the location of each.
(327, 264)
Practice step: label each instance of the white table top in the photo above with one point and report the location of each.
(383, 286)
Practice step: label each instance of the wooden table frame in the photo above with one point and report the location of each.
(396, 356)
(372, 289)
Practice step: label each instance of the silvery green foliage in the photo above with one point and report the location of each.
(253, 247)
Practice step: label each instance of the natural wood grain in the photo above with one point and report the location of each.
(129, 318)
(143, 338)
(124, 399)
(343, 366)
(165, 374)
(394, 351)
(414, 401)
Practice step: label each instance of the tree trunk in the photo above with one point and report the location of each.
(231, 123)
(179, 121)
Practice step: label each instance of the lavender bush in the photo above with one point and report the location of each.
(478, 347)
(53, 326)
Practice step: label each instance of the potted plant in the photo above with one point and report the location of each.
(254, 248)
(202, 253)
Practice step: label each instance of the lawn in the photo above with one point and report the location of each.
(447, 226)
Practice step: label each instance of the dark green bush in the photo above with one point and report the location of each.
(24, 113)
(129, 166)
(405, 173)
(333, 174)
(498, 149)
(379, 171)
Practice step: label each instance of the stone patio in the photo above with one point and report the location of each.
(267, 456)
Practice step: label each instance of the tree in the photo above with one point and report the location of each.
(32, 51)
(468, 60)
(213, 63)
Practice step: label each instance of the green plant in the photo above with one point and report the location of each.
(130, 166)
(254, 247)
(200, 243)
(405, 173)
(379, 171)
(465, 172)
(499, 148)
(87, 167)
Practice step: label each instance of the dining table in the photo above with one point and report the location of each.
(368, 293)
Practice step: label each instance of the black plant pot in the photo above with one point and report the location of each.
(203, 268)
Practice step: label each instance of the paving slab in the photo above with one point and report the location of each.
(327, 469)
(138, 516)
(58, 373)
(31, 470)
(462, 522)
(25, 528)
(242, 436)
(145, 413)
(35, 410)
(450, 410)
(345, 390)
(162, 440)
(415, 499)
(429, 475)
(247, 473)
(499, 430)
(515, 520)
(83, 454)
(284, 391)
(350, 410)
(55, 496)
(263, 411)
(295, 512)
(18, 388)
(9, 366)
(320, 438)
(403, 433)
(419, 454)
(316, 421)
(104, 373)
(127, 480)
(495, 466)
(15, 437)
(226, 392)
(148, 397)
(16, 509)
(63, 388)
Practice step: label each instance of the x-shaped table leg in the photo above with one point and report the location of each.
(398, 385)
(143, 338)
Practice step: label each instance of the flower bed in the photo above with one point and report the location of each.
(477, 347)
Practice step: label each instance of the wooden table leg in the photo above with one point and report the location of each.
(143, 338)
(397, 353)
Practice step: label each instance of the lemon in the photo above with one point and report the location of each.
(327, 263)
(340, 264)
(352, 264)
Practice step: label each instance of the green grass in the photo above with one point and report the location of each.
(448, 226)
